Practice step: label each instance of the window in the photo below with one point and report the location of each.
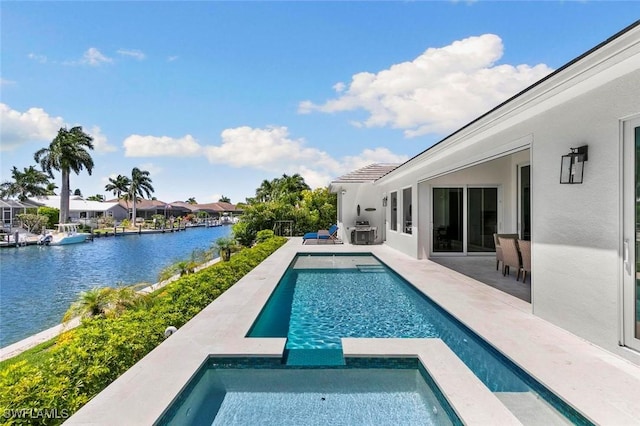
(394, 211)
(406, 211)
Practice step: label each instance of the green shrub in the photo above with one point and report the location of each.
(264, 235)
(85, 360)
(51, 213)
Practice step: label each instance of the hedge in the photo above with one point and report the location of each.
(88, 358)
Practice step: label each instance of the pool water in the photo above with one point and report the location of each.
(38, 283)
(323, 298)
(236, 394)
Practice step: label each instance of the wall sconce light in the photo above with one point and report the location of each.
(384, 201)
(343, 192)
(572, 166)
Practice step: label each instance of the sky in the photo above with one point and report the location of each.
(213, 97)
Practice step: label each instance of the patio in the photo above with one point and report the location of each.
(483, 269)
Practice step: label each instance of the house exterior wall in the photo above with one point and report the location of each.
(576, 229)
(366, 196)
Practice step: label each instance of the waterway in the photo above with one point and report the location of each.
(37, 284)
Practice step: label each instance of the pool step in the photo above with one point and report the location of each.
(314, 357)
(370, 268)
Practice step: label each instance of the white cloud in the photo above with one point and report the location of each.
(34, 125)
(172, 58)
(439, 91)
(38, 58)
(5, 82)
(272, 149)
(92, 57)
(269, 149)
(161, 146)
(100, 143)
(132, 53)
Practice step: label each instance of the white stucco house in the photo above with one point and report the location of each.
(501, 173)
(80, 208)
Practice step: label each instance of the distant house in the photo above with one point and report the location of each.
(12, 208)
(80, 209)
(146, 209)
(219, 209)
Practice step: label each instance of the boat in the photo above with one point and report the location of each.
(67, 233)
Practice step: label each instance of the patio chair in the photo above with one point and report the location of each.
(499, 248)
(510, 255)
(323, 235)
(525, 254)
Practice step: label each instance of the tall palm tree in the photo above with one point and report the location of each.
(140, 184)
(192, 200)
(224, 199)
(67, 152)
(119, 185)
(30, 183)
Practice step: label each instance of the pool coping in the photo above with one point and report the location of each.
(599, 384)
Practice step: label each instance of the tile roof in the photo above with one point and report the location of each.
(369, 173)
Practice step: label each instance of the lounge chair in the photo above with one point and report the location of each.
(323, 235)
(525, 253)
(499, 257)
(510, 255)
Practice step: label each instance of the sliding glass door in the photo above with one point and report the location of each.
(448, 220)
(482, 219)
(464, 219)
(524, 202)
(631, 241)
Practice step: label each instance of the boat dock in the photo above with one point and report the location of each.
(9, 240)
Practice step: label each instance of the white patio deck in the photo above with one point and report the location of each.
(602, 386)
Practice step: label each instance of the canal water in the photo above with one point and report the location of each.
(37, 283)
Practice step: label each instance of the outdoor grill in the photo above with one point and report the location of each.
(363, 233)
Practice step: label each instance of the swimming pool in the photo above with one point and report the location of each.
(324, 298)
(250, 391)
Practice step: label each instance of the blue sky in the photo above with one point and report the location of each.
(214, 97)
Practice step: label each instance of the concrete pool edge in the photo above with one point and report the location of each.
(601, 385)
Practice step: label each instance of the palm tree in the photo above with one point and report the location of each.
(140, 184)
(97, 197)
(224, 199)
(30, 183)
(119, 185)
(264, 192)
(51, 188)
(192, 200)
(67, 152)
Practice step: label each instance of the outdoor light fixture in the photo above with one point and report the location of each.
(572, 166)
(384, 201)
(344, 191)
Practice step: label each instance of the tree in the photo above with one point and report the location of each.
(140, 184)
(224, 199)
(32, 222)
(264, 192)
(30, 183)
(192, 200)
(51, 188)
(77, 192)
(67, 152)
(97, 197)
(119, 186)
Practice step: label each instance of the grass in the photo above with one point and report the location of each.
(34, 355)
